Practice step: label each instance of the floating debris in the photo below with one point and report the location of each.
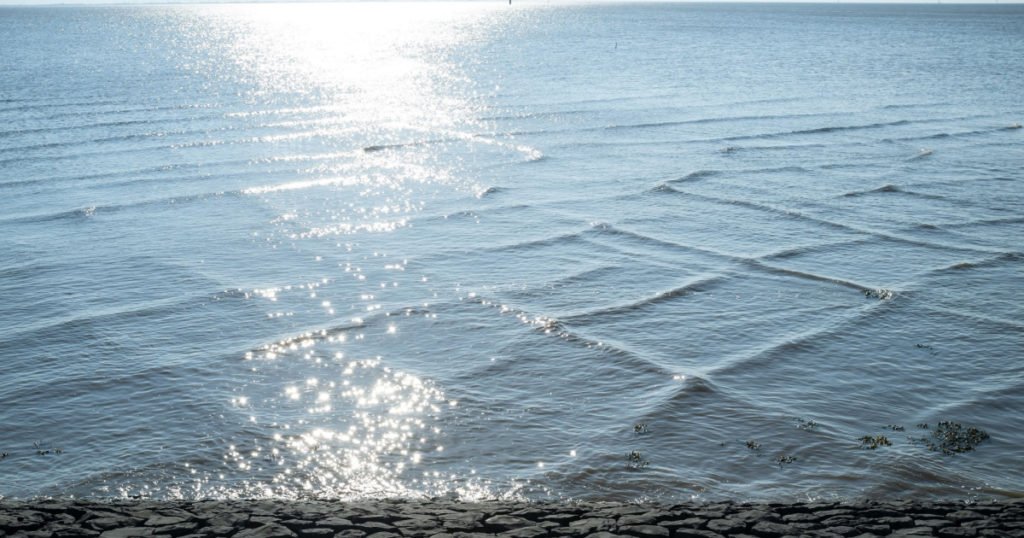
(785, 460)
(869, 442)
(894, 427)
(640, 428)
(953, 438)
(635, 461)
(923, 425)
(806, 425)
(881, 294)
(754, 445)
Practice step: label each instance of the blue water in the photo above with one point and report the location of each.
(597, 251)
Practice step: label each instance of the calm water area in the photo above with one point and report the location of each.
(661, 251)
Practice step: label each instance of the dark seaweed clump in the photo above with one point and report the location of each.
(954, 438)
(872, 442)
(635, 461)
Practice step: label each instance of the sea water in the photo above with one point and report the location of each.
(592, 251)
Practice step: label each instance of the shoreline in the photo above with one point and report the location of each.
(511, 519)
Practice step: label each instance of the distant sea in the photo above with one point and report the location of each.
(643, 251)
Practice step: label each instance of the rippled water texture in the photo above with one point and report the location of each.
(588, 251)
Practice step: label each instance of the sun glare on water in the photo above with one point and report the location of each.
(376, 95)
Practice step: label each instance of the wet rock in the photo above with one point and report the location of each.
(371, 527)
(881, 530)
(879, 512)
(178, 529)
(644, 530)
(647, 518)
(748, 516)
(22, 521)
(824, 514)
(315, 532)
(419, 523)
(767, 529)
(297, 524)
(593, 524)
(115, 522)
(846, 521)
(823, 534)
(384, 535)
(507, 522)
(695, 533)
(726, 526)
(913, 531)
(964, 515)
(980, 524)
(559, 517)
(350, 533)
(956, 532)
(269, 530)
(71, 532)
(689, 523)
(128, 532)
(801, 517)
(525, 532)
(463, 521)
(160, 521)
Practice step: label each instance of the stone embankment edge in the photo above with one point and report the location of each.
(457, 519)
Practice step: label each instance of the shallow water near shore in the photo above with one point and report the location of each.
(588, 251)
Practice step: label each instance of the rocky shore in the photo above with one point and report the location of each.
(452, 519)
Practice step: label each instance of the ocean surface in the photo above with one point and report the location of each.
(542, 251)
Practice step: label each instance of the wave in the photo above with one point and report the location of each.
(787, 147)
(694, 176)
(535, 115)
(890, 188)
(912, 105)
(697, 285)
(62, 129)
(556, 240)
(865, 289)
(329, 332)
(602, 229)
(785, 347)
(1010, 324)
(985, 222)
(832, 224)
(710, 173)
(71, 325)
(558, 328)
(583, 277)
(699, 121)
(42, 105)
(88, 212)
(921, 154)
(883, 189)
(132, 110)
(817, 130)
(959, 134)
(483, 193)
(993, 261)
(531, 153)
